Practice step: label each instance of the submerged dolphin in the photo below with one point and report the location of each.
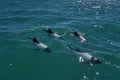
(49, 31)
(78, 36)
(86, 56)
(40, 44)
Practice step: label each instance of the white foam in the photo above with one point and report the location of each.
(81, 59)
(91, 64)
(117, 67)
(113, 65)
(10, 64)
(108, 63)
(85, 78)
(97, 73)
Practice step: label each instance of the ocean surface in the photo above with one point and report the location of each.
(97, 20)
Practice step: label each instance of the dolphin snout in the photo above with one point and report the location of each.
(97, 62)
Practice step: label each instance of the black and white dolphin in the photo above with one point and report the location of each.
(86, 57)
(40, 44)
(49, 31)
(78, 36)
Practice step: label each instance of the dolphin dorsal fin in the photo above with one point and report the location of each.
(75, 33)
(35, 40)
(50, 31)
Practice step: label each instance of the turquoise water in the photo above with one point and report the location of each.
(97, 20)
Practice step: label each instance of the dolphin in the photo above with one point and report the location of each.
(78, 36)
(49, 31)
(40, 44)
(86, 56)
